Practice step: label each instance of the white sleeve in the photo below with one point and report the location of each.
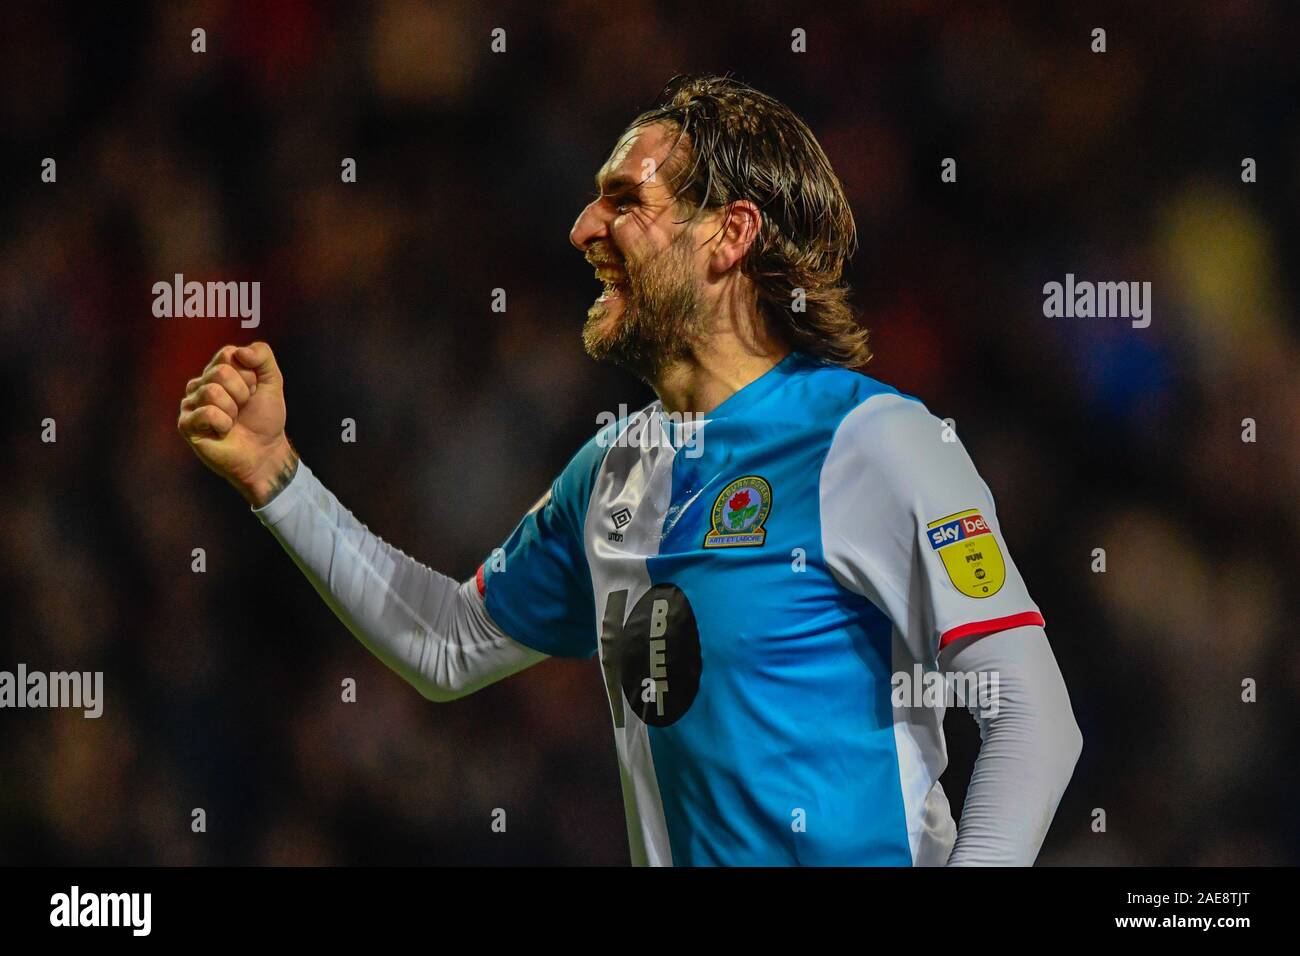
(908, 523)
(431, 630)
(1030, 742)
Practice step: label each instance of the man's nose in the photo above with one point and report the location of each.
(592, 224)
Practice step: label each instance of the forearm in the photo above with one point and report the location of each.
(428, 628)
(1028, 751)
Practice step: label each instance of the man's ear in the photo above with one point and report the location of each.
(740, 224)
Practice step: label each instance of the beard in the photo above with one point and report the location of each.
(659, 322)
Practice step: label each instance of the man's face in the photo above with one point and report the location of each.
(652, 264)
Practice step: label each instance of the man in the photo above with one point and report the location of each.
(753, 557)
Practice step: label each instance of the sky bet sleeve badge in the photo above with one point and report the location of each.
(970, 552)
(738, 514)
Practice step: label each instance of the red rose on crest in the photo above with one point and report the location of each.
(738, 500)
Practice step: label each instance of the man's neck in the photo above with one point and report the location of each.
(704, 381)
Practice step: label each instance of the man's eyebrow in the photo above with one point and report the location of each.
(616, 184)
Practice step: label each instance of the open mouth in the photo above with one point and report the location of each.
(615, 284)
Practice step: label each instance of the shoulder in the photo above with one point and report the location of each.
(887, 426)
(893, 445)
(863, 415)
(847, 399)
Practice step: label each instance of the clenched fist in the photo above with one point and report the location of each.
(233, 417)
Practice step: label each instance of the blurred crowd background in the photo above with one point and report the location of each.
(222, 689)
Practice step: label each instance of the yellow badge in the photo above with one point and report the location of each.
(970, 552)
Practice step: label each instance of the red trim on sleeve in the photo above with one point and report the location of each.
(988, 627)
(478, 579)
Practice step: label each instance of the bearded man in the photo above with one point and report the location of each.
(758, 606)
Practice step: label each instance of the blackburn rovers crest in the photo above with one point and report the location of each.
(738, 514)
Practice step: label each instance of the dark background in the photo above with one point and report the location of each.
(223, 689)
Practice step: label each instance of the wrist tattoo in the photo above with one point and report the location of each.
(285, 475)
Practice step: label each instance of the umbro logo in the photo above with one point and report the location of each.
(620, 518)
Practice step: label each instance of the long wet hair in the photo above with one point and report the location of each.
(734, 143)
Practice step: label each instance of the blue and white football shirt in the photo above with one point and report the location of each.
(750, 586)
